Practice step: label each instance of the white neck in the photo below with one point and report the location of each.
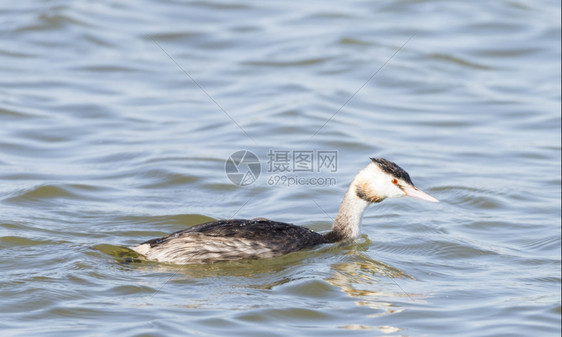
(348, 221)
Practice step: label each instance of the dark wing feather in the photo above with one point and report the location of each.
(278, 235)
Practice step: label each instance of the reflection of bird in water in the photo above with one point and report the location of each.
(373, 284)
(225, 240)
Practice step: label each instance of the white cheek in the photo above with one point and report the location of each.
(399, 193)
(396, 192)
(391, 191)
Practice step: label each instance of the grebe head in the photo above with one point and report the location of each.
(384, 179)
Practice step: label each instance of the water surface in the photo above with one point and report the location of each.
(117, 119)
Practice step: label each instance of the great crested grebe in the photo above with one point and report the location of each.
(225, 240)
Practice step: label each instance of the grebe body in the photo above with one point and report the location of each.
(234, 239)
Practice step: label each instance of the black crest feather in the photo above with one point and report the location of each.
(391, 168)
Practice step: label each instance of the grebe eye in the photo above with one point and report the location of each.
(395, 181)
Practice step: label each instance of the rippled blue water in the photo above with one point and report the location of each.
(117, 119)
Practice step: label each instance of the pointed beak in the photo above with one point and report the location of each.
(418, 194)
